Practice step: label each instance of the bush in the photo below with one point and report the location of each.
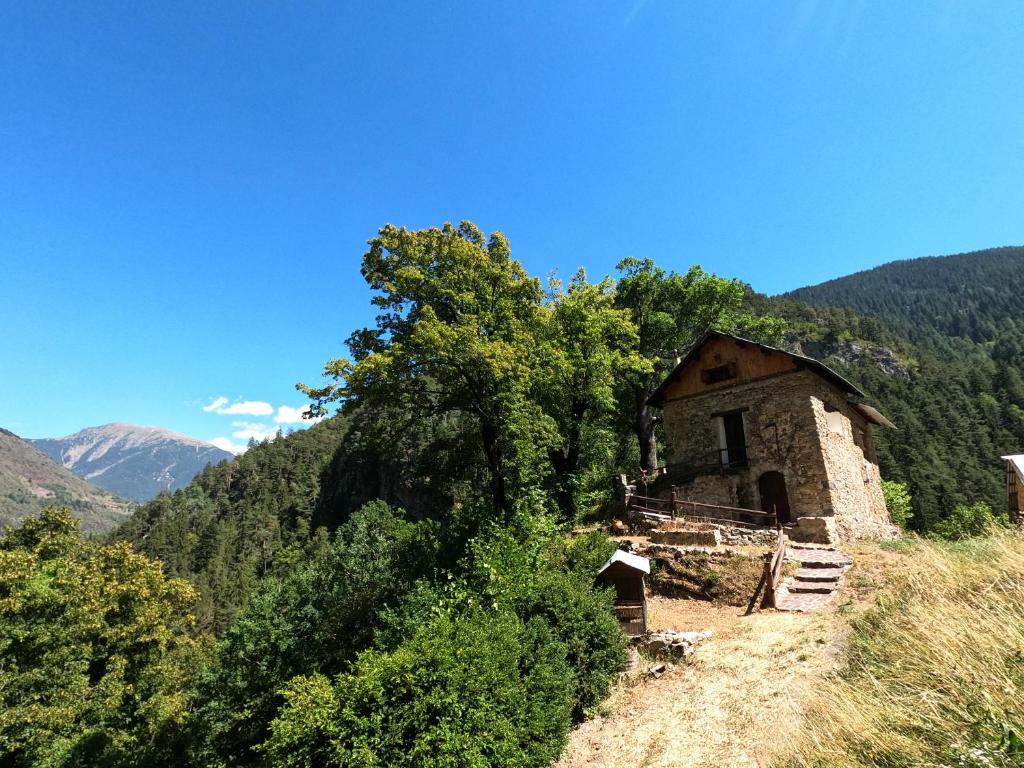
(95, 657)
(966, 521)
(376, 656)
(552, 579)
(480, 691)
(316, 620)
(897, 501)
(583, 619)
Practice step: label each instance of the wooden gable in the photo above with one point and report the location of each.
(725, 361)
(720, 361)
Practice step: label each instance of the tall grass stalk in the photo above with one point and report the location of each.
(936, 669)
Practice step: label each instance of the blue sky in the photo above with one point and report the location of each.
(186, 189)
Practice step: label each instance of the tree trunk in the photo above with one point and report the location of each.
(643, 426)
(492, 450)
(565, 462)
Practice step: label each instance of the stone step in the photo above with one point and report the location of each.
(824, 559)
(819, 574)
(809, 586)
(803, 602)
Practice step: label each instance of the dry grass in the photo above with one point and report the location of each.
(936, 670)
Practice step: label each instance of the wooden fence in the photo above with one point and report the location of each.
(657, 509)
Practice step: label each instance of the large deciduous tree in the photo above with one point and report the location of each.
(96, 657)
(457, 335)
(591, 344)
(671, 311)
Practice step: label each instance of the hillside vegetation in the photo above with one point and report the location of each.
(935, 674)
(937, 344)
(31, 481)
(396, 585)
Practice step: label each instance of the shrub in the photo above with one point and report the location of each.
(553, 579)
(315, 620)
(583, 619)
(95, 657)
(480, 691)
(897, 501)
(966, 521)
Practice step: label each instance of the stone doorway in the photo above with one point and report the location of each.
(772, 488)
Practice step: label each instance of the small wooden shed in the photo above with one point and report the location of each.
(626, 574)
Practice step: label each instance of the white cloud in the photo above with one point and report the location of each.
(256, 431)
(217, 404)
(248, 408)
(226, 445)
(288, 415)
(242, 408)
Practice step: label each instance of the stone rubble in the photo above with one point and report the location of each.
(672, 644)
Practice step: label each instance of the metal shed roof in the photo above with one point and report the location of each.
(1017, 460)
(628, 559)
(872, 415)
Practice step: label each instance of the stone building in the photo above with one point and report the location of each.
(755, 427)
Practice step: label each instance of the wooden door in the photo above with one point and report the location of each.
(772, 487)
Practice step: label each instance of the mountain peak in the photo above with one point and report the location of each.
(132, 461)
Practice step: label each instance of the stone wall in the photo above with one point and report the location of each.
(781, 434)
(853, 478)
(797, 424)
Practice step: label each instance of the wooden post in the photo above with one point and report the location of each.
(672, 503)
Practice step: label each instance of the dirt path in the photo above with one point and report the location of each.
(732, 706)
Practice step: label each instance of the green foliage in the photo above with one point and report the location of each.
(588, 346)
(584, 621)
(406, 644)
(315, 620)
(95, 660)
(671, 311)
(242, 520)
(897, 501)
(483, 690)
(966, 521)
(937, 347)
(456, 335)
(535, 573)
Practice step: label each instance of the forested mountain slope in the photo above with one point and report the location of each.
(936, 300)
(938, 345)
(31, 481)
(262, 513)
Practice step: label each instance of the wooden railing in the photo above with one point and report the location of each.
(773, 570)
(710, 463)
(672, 508)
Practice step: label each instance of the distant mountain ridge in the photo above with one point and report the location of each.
(978, 296)
(937, 343)
(31, 481)
(131, 461)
